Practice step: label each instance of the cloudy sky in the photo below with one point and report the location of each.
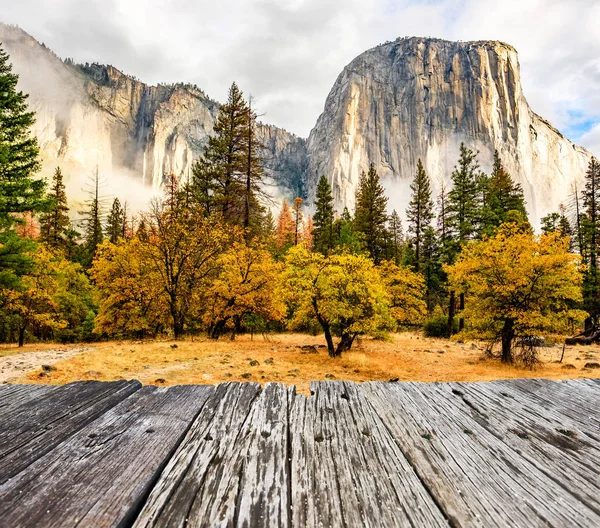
(287, 54)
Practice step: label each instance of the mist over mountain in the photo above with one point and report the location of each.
(398, 102)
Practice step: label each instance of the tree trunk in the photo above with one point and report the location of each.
(330, 346)
(22, 335)
(451, 308)
(461, 307)
(508, 333)
(345, 343)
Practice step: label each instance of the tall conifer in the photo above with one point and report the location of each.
(420, 212)
(55, 224)
(323, 218)
(370, 217)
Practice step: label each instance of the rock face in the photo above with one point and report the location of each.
(94, 115)
(420, 98)
(401, 101)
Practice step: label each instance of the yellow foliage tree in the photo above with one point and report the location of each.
(407, 293)
(245, 285)
(519, 285)
(32, 301)
(131, 298)
(286, 227)
(344, 293)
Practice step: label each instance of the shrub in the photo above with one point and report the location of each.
(437, 324)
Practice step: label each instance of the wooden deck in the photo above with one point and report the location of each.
(507, 453)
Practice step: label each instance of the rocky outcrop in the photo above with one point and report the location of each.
(404, 100)
(95, 115)
(420, 98)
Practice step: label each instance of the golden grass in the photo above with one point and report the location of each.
(408, 357)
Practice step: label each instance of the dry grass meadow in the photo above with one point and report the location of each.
(294, 359)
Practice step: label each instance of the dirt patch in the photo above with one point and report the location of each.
(14, 365)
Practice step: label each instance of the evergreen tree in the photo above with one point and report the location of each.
(115, 222)
(464, 214)
(92, 218)
(227, 179)
(55, 224)
(323, 218)
(345, 238)
(432, 268)
(370, 218)
(19, 152)
(420, 212)
(591, 234)
(396, 238)
(500, 195)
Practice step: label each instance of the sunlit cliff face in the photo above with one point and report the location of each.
(401, 101)
(420, 98)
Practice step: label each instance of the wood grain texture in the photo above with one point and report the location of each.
(101, 475)
(30, 431)
(347, 470)
(13, 396)
(548, 439)
(477, 479)
(204, 481)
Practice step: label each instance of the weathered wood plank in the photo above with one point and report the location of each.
(580, 405)
(101, 475)
(231, 468)
(347, 469)
(29, 432)
(477, 479)
(13, 396)
(549, 440)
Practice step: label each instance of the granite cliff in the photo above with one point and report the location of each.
(420, 98)
(94, 115)
(398, 102)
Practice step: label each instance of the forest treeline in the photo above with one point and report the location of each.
(209, 256)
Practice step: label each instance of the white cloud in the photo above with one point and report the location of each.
(288, 54)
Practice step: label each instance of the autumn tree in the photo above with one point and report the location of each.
(245, 285)
(286, 227)
(132, 297)
(370, 217)
(406, 290)
(343, 293)
(323, 218)
(419, 213)
(31, 301)
(55, 223)
(20, 192)
(183, 249)
(519, 285)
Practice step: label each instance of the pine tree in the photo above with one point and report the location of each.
(464, 214)
(591, 234)
(420, 212)
(115, 222)
(227, 179)
(396, 238)
(370, 218)
(323, 218)
(500, 196)
(92, 218)
(19, 152)
(55, 223)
